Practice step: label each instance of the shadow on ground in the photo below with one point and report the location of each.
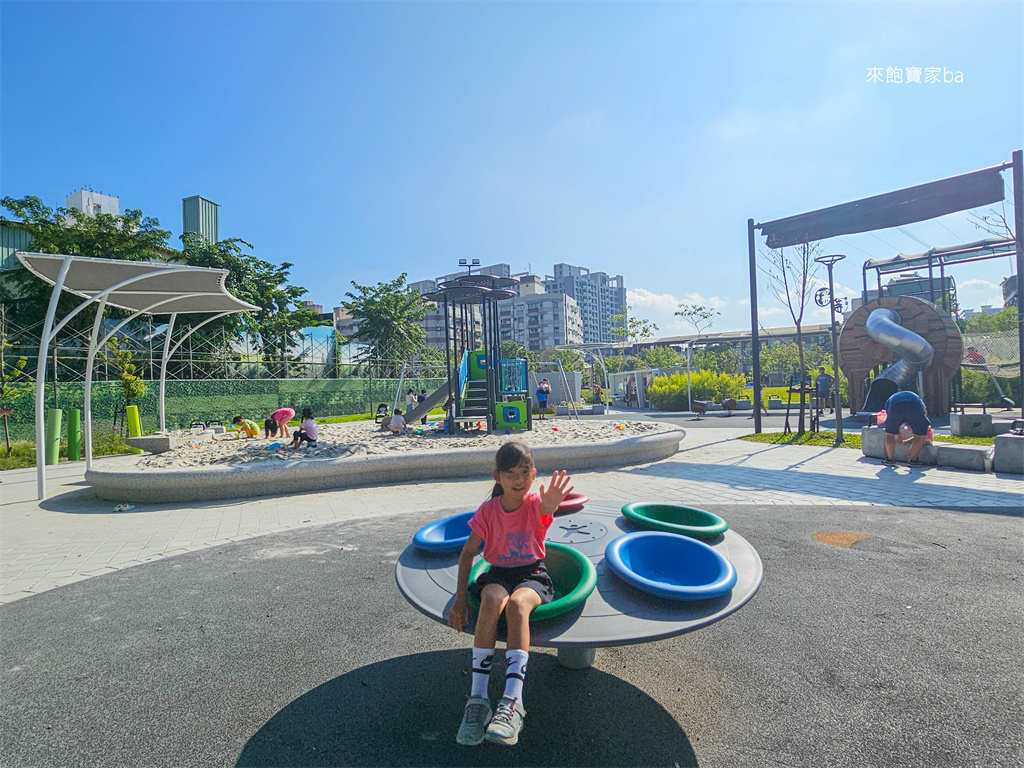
(404, 712)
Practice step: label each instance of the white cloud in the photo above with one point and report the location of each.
(977, 285)
(641, 297)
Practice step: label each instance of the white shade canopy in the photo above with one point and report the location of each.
(186, 289)
(141, 287)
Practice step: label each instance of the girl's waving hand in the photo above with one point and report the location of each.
(555, 492)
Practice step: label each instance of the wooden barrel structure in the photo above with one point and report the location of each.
(859, 354)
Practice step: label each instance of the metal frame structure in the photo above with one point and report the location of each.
(459, 295)
(904, 206)
(139, 287)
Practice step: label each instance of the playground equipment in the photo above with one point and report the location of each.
(615, 613)
(676, 518)
(670, 566)
(571, 503)
(481, 388)
(909, 342)
(449, 534)
(572, 575)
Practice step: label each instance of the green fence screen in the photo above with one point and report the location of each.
(205, 400)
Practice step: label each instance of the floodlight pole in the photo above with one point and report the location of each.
(1018, 236)
(837, 398)
(755, 341)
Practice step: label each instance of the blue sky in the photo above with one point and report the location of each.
(361, 140)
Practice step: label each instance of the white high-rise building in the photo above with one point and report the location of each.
(92, 203)
(598, 295)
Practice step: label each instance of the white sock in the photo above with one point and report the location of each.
(482, 660)
(515, 674)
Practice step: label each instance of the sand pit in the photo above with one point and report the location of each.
(363, 439)
(205, 467)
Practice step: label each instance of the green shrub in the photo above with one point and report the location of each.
(668, 393)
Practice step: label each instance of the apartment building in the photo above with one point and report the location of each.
(599, 296)
(537, 319)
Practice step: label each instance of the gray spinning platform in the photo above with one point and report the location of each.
(615, 613)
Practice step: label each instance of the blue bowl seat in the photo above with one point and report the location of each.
(449, 534)
(670, 566)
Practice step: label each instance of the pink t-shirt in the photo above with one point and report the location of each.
(283, 415)
(512, 538)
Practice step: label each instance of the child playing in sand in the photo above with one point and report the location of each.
(282, 416)
(245, 427)
(397, 423)
(307, 430)
(511, 525)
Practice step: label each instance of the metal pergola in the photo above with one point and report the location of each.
(893, 209)
(142, 288)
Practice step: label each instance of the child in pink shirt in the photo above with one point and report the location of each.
(511, 526)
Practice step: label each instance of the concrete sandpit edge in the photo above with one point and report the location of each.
(275, 478)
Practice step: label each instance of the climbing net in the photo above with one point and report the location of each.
(996, 352)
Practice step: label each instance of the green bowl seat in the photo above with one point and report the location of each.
(572, 574)
(675, 518)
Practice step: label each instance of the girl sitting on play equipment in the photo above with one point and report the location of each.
(511, 526)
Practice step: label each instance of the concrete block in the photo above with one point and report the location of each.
(774, 404)
(597, 410)
(715, 407)
(971, 424)
(872, 444)
(972, 457)
(743, 405)
(1009, 454)
(153, 443)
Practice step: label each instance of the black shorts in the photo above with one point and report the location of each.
(533, 576)
(906, 413)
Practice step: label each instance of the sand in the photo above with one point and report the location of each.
(364, 438)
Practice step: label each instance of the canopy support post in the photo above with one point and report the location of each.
(44, 347)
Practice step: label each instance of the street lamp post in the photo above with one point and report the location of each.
(837, 398)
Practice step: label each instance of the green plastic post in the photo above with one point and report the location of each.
(74, 435)
(54, 419)
(134, 425)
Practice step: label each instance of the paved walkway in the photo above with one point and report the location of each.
(73, 536)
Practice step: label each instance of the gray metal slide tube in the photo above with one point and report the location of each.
(884, 326)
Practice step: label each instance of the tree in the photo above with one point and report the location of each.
(131, 384)
(14, 381)
(281, 317)
(390, 322)
(129, 236)
(1006, 320)
(132, 236)
(700, 319)
(792, 278)
(571, 359)
(783, 359)
(631, 329)
(659, 357)
(513, 350)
